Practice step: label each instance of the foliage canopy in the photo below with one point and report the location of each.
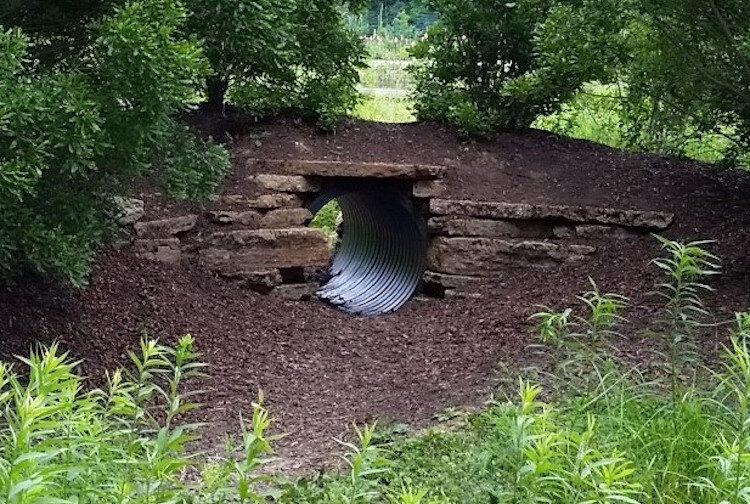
(90, 93)
(683, 68)
(75, 130)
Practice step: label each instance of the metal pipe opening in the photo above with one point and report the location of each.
(380, 258)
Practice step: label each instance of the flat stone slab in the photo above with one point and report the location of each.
(295, 292)
(599, 231)
(452, 281)
(525, 211)
(262, 249)
(359, 169)
(285, 218)
(262, 280)
(229, 261)
(249, 218)
(262, 202)
(166, 227)
(299, 237)
(487, 256)
(429, 188)
(286, 183)
(466, 226)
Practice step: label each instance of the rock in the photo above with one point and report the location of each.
(261, 280)
(287, 183)
(169, 227)
(295, 292)
(252, 250)
(229, 261)
(132, 210)
(452, 281)
(300, 237)
(465, 226)
(461, 294)
(360, 169)
(285, 217)
(166, 250)
(599, 231)
(563, 232)
(524, 211)
(223, 217)
(486, 256)
(428, 188)
(262, 202)
(445, 286)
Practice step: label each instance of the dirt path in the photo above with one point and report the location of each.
(322, 370)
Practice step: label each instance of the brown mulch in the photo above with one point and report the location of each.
(321, 369)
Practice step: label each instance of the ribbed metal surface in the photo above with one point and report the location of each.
(380, 260)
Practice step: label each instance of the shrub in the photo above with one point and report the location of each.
(130, 442)
(53, 203)
(329, 58)
(682, 68)
(191, 168)
(693, 69)
(59, 443)
(470, 57)
(74, 133)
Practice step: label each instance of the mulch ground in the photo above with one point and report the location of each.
(321, 369)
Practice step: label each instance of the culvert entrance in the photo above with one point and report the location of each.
(379, 260)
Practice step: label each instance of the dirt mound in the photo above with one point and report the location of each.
(322, 369)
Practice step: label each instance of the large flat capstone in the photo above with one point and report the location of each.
(575, 214)
(360, 169)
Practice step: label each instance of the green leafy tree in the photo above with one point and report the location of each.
(246, 41)
(692, 71)
(330, 56)
(682, 69)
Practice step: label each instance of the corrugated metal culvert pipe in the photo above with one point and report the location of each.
(380, 258)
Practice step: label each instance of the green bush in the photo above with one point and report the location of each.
(53, 203)
(59, 443)
(691, 73)
(191, 168)
(74, 133)
(681, 69)
(475, 51)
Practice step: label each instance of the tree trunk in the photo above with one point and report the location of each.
(217, 90)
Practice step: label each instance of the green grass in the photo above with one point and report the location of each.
(390, 109)
(597, 114)
(388, 74)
